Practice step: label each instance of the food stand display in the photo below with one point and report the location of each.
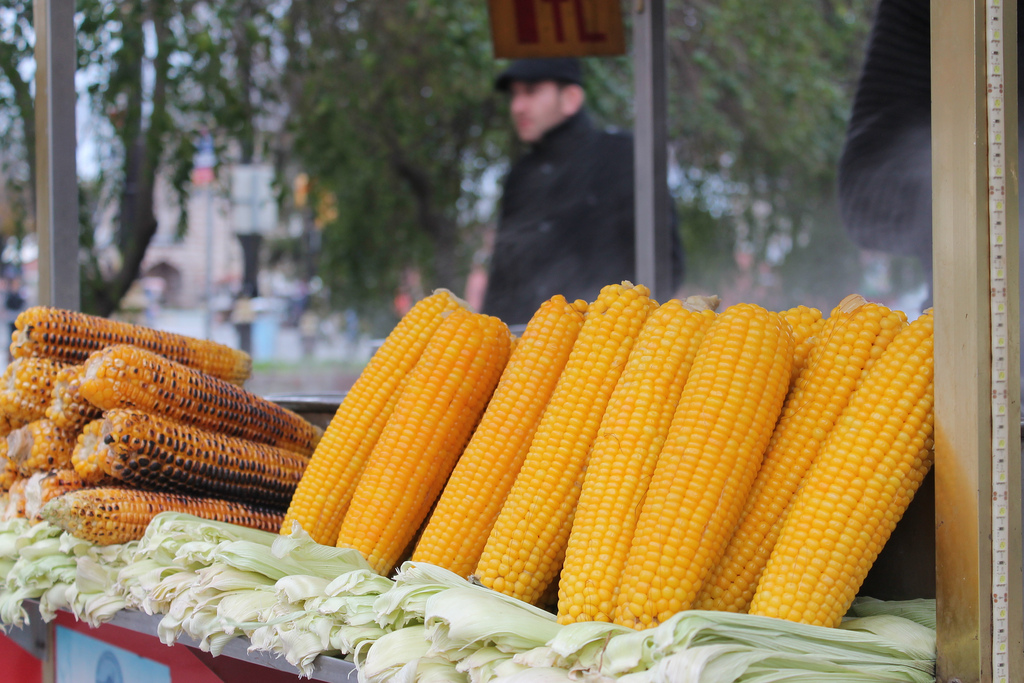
(979, 580)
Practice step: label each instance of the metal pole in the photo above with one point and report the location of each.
(56, 174)
(208, 287)
(653, 241)
(964, 471)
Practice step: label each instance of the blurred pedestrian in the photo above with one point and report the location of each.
(566, 224)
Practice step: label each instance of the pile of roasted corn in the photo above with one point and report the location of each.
(630, 460)
(119, 422)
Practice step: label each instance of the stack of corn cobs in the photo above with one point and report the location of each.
(623, 460)
(631, 460)
(116, 423)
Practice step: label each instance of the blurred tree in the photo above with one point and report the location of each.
(394, 117)
(389, 107)
(158, 72)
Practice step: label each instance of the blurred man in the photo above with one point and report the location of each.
(566, 220)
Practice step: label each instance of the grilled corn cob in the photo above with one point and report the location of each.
(39, 446)
(460, 523)
(26, 394)
(43, 487)
(90, 454)
(324, 494)
(858, 488)
(68, 409)
(622, 459)
(15, 499)
(129, 377)
(719, 431)
(8, 470)
(856, 333)
(440, 405)
(155, 453)
(526, 547)
(70, 336)
(108, 515)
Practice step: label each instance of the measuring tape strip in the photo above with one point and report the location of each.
(998, 321)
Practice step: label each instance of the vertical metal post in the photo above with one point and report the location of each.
(653, 240)
(964, 472)
(56, 174)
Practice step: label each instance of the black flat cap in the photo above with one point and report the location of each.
(561, 69)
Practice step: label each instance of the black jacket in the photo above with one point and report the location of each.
(566, 222)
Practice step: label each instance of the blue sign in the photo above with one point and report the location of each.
(83, 659)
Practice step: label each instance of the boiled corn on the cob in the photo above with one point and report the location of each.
(524, 552)
(856, 332)
(622, 460)
(458, 528)
(326, 488)
(440, 405)
(719, 431)
(858, 488)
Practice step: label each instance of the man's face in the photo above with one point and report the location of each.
(537, 108)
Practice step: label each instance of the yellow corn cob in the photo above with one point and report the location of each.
(325, 491)
(16, 499)
(70, 336)
(806, 323)
(154, 453)
(719, 432)
(524, 552)
(68, 409)
(460, 523)
(108, 515)
(856, 332)
(39, 446)
(622, 459)
(441, 403)
(42, 487)
(858, 488)
(126, 376)
(8, 470)
(26, 394)
(90, 454)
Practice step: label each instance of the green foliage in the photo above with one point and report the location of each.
(396, 120)
(389, 107)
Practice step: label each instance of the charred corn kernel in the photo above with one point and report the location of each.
(622, 459)
(68, 409)
(806, 323)
(325, 491)
(719, 431)
(441, 403)
(108, 515)
(152, 452)
(26, 394)
(856, 332)
(39, 446)
(129, 377)
(524, 551)
(462, 519)
(70, 336)
(89, 457)
(858, 488)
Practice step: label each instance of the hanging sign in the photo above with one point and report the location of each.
(556, 28)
